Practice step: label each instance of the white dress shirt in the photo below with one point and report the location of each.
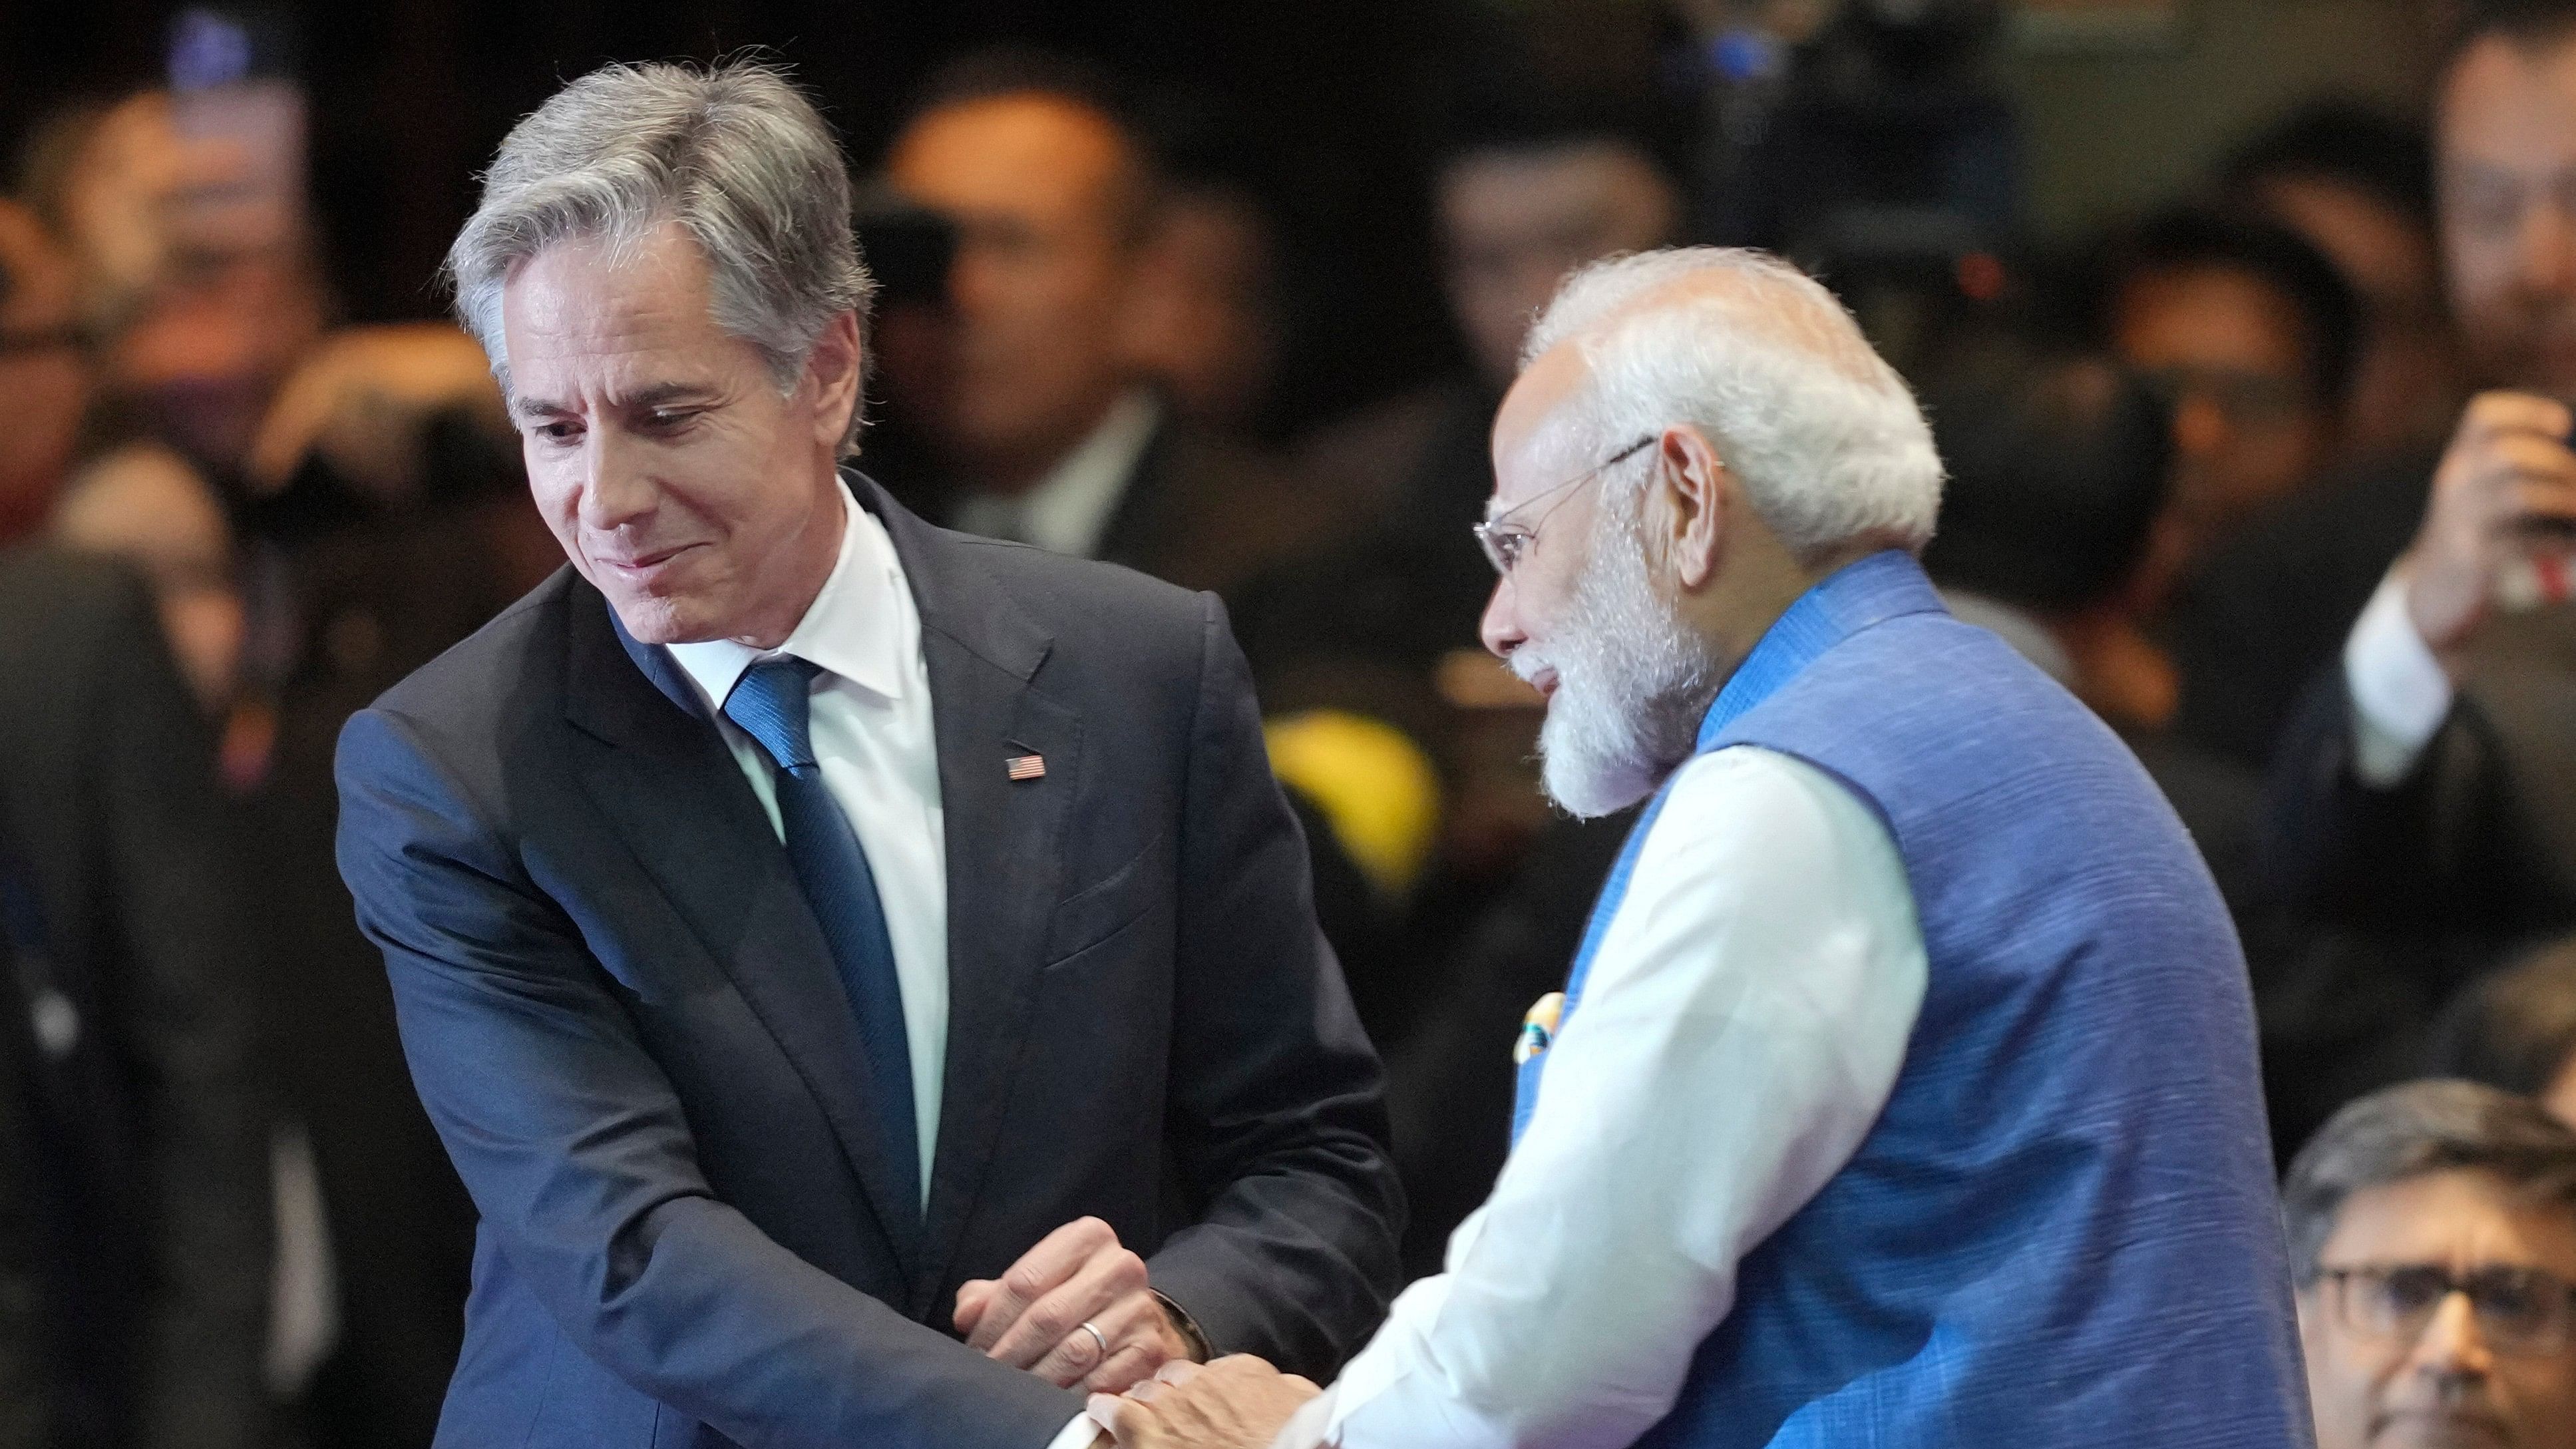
(1742, 1028)
(871, 728)
(1070, 508)
(2400, 692)
(873, 739)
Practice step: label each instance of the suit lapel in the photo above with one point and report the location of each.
(661, 774)
(1004, 844)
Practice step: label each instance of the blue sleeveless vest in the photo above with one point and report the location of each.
(2063, 1229)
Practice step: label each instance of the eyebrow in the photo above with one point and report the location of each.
(655, 396)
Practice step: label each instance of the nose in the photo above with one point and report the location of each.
(2451, 1347)
(973, 279)
(614, 491)
(2547, 252)
(1500, 627)
(2200, 428)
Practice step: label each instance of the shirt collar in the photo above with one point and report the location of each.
(1853, 597)
(856, 628)
(1069, 509)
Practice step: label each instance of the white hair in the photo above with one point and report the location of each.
(1825, 437)
(733, 153)
(1632, 679)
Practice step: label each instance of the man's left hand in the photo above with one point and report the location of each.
(1233, 1403)
(1042, 1314)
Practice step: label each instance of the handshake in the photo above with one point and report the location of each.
(1077, 1311)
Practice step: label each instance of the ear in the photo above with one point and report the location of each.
(1696, 490)
(833, 369)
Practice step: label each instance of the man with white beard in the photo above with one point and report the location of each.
(1903, 1090)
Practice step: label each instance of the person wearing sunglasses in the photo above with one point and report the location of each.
(2433, 1226)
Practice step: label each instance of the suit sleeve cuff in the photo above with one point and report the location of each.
(1201, 1350)
(2399, 691)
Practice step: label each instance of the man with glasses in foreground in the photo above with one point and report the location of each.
(2434, 1229)
(1902, 1091)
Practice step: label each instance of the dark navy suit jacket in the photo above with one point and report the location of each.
(624, 1021)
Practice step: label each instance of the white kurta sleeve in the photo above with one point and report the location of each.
(1742, 1028)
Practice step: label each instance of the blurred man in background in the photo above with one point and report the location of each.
(145, 503)
(2433, 1231)
(1046, 428)
(2358, 184)
(140, 1173)
(2275, 606)
(1202, 320)
(2058, 476)
(2425, 794)
(45, 371)
(2250, 335)
(2516, 1030)
(1523, 194)
(363, 520)
(1521, 199)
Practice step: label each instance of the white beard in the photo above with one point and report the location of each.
(1632, 682)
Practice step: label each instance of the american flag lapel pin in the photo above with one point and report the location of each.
(1025, 767)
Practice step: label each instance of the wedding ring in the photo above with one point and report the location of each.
(1086, 1327)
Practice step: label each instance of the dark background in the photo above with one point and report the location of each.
(1328, 108)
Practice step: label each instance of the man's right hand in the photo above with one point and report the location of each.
(2505, 492)
(1075, 1310)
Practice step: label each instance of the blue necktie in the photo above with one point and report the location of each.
(770, 702)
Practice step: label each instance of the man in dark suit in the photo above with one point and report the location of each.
(130, 1135)
(796, 912)
(1037, 404)
(2423, 794)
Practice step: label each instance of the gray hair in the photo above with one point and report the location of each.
(1825, 437)
(734, 153)
(2417, 1128)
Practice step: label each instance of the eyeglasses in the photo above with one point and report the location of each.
(2519, 1310)
(2250, 399)
(1505, 542)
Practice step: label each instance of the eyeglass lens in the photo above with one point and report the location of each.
(2517, 1309)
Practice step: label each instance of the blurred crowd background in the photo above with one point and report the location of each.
(1226, 293)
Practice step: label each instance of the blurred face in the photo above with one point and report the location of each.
(1515, 223)
(2248, 425)
(1199, 320)
(679, 480)
(43, 372)
(147, 505)
(2560, 1098)
(1578, 612)
(194, 242)
(2407, 384)
(2505, 145)
(2452, 1382)
(1044, 195)
(208, 351)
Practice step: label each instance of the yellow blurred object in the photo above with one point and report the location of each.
(1374, 785)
